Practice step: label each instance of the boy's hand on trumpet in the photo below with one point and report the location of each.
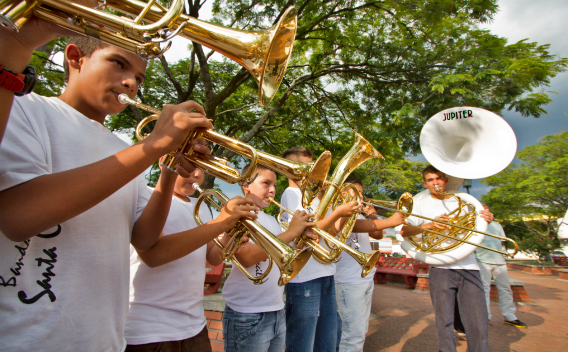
(349, 208)
(301, 224)
(235, 210)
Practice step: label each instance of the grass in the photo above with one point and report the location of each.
(531, 262)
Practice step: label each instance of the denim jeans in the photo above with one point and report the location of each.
(254, 332)
(501, 276)
(445, 285)
(311, 316)
(354, 307)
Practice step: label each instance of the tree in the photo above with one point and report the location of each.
(389, 180)
(379, 67)
(532, 194)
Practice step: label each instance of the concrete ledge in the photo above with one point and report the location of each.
(534, 269)
(563, 274)
(214, 303)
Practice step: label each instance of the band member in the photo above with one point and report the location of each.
(492, 264)
(166, 281)
(311, 306)
(72, 196)
(354, 293)
(446, 281)
(254, 314)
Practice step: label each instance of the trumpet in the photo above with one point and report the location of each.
(289, 260)
(462, 222)
(310, 176)
(265, 53)
(366, 261)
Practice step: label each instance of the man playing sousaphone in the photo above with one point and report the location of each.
(461, 279)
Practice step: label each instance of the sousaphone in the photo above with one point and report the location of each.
(464, 143)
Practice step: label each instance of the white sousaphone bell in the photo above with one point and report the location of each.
(464, 143)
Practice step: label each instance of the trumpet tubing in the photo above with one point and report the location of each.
(289, 260)
(264, 54)
(366, 261)
(459, 225)
(310, 176)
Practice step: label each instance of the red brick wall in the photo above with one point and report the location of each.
(215, 327)
(422, 284)
(519, 294)
(533, 269)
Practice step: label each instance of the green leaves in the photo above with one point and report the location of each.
(532, 194)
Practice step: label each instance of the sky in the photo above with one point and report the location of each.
(542, 21)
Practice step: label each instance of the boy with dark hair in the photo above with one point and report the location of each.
(460, 279)
(166, 281)
(72, 197)
(297, 152)
(311, 306)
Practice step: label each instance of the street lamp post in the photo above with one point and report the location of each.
(467, 184)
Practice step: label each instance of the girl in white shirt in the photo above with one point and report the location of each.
(254, 314)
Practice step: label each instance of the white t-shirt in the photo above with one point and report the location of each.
(292, 199)
(432, 207)
(65, 290)
(242, 295)
(165, 302)
(348, 271)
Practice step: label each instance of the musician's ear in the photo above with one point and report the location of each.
(73, 56)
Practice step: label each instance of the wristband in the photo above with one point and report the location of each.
(19, 83)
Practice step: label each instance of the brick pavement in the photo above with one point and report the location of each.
(403, 320)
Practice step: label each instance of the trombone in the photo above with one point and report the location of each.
(264, 54)
(289, 260)
(366, 261)
(458, 224)
(310, 176)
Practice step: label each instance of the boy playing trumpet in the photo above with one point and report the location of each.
(254, 318)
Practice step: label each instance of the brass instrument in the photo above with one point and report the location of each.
(289, 260)
(360, 152)
(310, 176)
(265, 53)
(462, 223)
(367, 261)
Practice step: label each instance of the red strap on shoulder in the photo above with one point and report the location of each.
(12, 82)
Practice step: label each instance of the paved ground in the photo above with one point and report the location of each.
(403, 320)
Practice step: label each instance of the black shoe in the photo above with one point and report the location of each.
(516, 323)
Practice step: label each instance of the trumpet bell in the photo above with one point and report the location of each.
(468, 142)
(264, 53)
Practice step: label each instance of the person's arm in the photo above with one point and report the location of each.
(16, 51)
(31, 207)
(178, 245)
(378, 224)
(336, 219)
(371, 214)
(148, 228)
(250, 254)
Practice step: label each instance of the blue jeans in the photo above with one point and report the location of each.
(354, 307)
(445, 286)
(254, 332)
(311, 316)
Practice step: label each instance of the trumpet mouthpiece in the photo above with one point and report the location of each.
(123, 98)
(196, 187)
(438, 188)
